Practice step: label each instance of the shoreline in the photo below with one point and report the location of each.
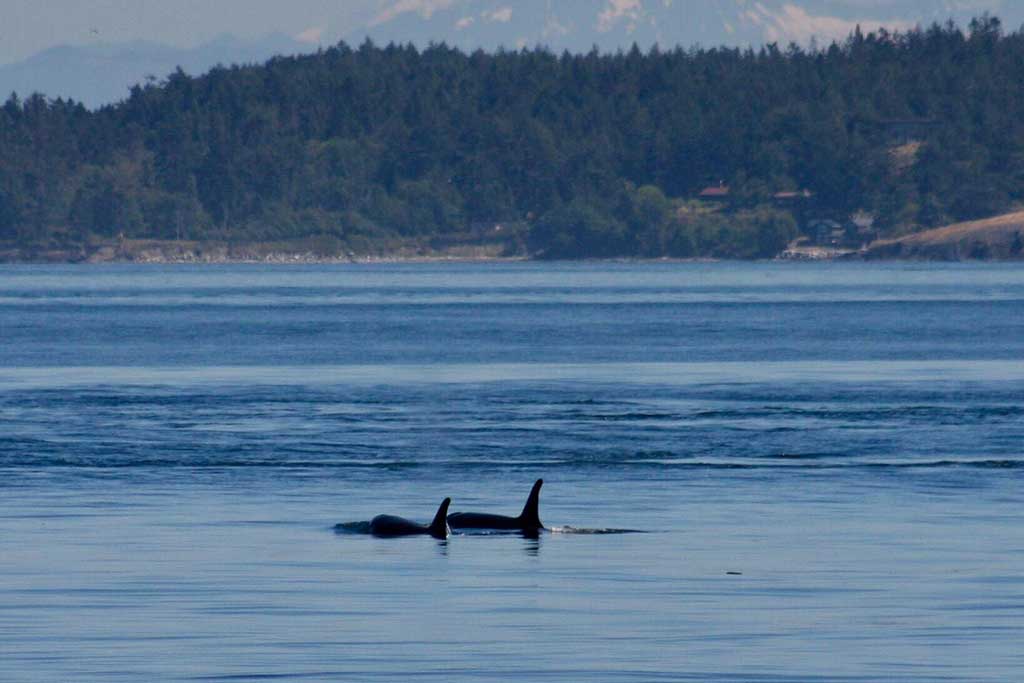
(275, 259)
(197, 253)
(289, 259)
(298, 260)
(168, 252)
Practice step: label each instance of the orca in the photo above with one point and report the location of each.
(528, 521)
(387, 526)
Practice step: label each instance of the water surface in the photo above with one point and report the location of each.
(828, 458)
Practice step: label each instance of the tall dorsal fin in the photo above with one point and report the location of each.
(530, 516)
(439, 527)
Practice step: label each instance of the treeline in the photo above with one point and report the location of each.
(594, 153)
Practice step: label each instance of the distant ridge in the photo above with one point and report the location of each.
(101, 74)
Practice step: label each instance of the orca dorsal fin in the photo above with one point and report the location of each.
(530, 516)
(439, 527)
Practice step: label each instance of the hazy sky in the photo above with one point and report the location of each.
(29, 26)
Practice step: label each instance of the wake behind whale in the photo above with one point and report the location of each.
(597, 531)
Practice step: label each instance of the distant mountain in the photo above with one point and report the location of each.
(102, 74)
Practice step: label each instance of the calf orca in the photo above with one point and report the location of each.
(390, 525)
(528, 521)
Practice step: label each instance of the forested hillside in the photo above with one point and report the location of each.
(577, 155)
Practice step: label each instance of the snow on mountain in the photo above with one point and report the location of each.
(579, 25)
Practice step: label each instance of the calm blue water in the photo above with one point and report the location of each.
(829, 459)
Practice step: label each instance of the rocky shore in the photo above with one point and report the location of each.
(196, 252)
(999, 238)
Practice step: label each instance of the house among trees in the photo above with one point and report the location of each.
(715, 193)
(826, 232)
(855, 233)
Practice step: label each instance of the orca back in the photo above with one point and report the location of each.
(482, 520)
(391, 525)
(529, 520)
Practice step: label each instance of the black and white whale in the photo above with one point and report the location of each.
(528, 520)
(389, 525)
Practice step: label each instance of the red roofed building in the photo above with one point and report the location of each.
(719, 192)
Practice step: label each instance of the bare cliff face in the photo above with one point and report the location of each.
(1000, 238)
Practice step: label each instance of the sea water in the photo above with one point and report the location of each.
(827, 461)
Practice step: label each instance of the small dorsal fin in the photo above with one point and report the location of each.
(439, 527)
(530, 516)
